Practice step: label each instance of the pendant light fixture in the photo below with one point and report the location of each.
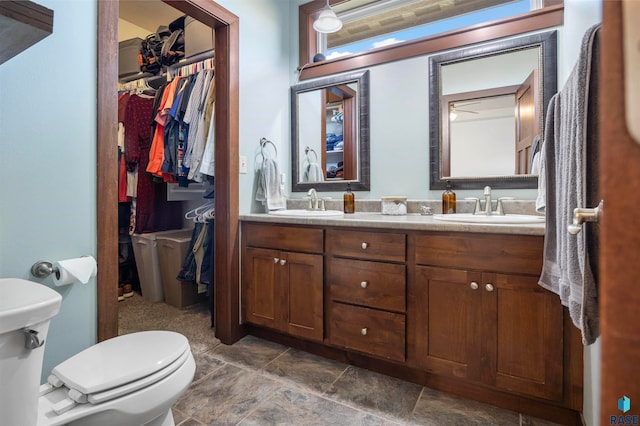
(327, 21)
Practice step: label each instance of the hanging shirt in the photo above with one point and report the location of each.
(206, 163)
(194, 117)
(200, 138)
(156, 154)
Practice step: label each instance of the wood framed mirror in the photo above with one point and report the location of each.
(484, 130)
(330, 133)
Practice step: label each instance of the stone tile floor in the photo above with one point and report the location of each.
(257, 382)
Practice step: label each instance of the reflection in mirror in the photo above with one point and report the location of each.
(330, 133)
(485, 129)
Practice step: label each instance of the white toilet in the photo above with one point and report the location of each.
(132, 379)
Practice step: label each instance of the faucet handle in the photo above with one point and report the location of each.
(477, 208)
(500, 207)
(322, 205)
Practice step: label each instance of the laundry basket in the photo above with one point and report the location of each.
(146, 254)
(172, 249)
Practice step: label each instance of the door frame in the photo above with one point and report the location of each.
(226, 309)
(619, 296)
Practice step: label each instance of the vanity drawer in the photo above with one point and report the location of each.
(279, 237)
(367, 245)
(374, 284)
(521, 254)
(374, 332)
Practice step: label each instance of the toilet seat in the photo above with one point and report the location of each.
(117, 367)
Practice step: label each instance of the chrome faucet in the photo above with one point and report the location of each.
(487, 200)
(488, 207)
(313, 199)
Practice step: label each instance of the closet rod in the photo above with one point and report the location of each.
(191, 60)
(133, 77)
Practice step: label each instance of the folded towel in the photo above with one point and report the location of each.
(269, 190)
(571, 137)
(313, 173)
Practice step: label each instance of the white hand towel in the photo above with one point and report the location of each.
(269, 190)
(314, 173)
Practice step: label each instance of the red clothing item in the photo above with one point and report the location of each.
(123, 99)
(137, 129)
(156, 156)
(122, 182)
(153, 211)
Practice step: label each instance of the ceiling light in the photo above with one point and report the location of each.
(327, 21)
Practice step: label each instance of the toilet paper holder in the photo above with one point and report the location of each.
(43, 269)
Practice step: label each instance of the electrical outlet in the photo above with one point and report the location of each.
(243, 164)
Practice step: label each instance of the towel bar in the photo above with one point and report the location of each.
(581, 215)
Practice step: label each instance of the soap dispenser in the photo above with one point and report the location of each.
(349, 200)
(448, 200)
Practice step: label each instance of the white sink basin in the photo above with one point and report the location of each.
(478, 218)
(306, 213)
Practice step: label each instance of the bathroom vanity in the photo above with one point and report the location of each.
(452, 306)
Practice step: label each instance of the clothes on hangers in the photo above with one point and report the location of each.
(181, 130)
(153, 212)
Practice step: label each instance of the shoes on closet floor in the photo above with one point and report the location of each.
(120, 294)
(127, 290)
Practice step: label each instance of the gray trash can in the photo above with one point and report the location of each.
(172, 250)
(146, 254)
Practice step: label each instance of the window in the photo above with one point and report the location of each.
(545, 14)
(370, 24)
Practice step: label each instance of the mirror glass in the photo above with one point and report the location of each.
(330, 133)
(487, 107)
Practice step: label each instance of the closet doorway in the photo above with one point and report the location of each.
(226, 262)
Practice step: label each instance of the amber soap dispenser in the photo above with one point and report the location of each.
(349, 200)
(448, 200)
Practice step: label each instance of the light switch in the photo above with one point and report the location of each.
(243, 164)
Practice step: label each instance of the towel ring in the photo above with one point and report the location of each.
(265, 141)
(307, 150)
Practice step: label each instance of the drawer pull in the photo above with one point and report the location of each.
(276, 260)
(283, 261)
(473, 285)
(489, 287)
(364, 284)
(365, 245)
(364, 331)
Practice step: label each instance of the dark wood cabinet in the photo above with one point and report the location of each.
(487, 320)
(366, 281)
(283, 290)
(457, 311)
(501, 330)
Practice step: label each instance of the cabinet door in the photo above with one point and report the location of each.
(449, 333)
(304, 290)
(260, 287)
(526, 348)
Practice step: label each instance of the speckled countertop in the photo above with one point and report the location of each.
(411, 221)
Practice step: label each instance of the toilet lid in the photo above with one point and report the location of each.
(121, 360)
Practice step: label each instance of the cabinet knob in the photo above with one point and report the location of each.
(364, 284)
(276, 260)
(365, 245)
(364, 331)
(283, 261)
(489, 287)
(473, 285)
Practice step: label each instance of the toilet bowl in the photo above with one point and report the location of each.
(132, 379)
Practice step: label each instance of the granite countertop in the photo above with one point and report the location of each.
(411, 221)
(368, 215)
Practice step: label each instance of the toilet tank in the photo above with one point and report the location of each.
(26, 309)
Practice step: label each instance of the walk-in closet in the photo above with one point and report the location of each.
(166, 139)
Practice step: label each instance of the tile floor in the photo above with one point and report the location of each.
(257, 382)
